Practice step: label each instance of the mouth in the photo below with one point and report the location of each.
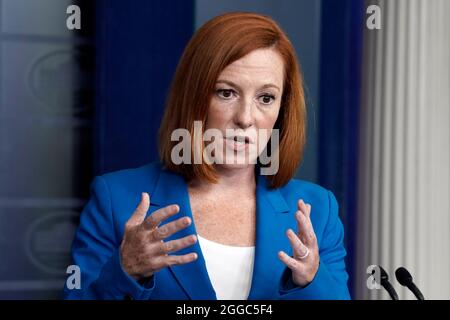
(240, 139)
(238, 143)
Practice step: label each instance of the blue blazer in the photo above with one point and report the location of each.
(115, 196)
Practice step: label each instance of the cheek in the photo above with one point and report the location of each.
(217, 116)
(268, 118)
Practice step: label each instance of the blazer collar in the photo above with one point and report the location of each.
(271, 207)
(272, 221)
(273, 196)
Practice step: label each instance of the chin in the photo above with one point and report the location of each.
(234, 166)
(238, 161)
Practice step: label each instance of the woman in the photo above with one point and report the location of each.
(218, 229)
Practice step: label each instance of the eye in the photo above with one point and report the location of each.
(226, 93)
(266, 99)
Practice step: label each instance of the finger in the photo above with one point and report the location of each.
(138, 215)
(160, 215)
(170, 260)
(298, 248)
(290, 262)
(305, 229)
(179, 244)
(305, 208)
(302, 225)
(170, 228)
(308, 210)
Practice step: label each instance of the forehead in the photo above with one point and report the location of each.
(260, 66)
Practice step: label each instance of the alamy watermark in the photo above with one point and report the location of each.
(74, 279)
(374, 279)
(235, 146)
(374, 19)
(73, 21)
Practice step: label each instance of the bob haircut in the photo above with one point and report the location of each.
(218, 43)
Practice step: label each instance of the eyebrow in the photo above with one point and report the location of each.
(232, 84)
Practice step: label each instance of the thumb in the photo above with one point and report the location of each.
(141, 211)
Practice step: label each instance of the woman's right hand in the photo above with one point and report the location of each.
(143, 251)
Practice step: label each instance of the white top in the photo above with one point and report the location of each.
(230, 268)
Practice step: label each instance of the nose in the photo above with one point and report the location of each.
(244, 115)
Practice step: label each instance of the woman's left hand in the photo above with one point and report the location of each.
(305, 262)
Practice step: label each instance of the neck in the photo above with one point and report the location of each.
(242, 179)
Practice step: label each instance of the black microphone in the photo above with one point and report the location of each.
(384, 278)
(406, 280)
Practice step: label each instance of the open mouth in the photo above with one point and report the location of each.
(240, 139)
(238, 143)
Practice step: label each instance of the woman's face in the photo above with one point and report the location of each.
(247, 99)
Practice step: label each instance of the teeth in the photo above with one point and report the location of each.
(239, 140)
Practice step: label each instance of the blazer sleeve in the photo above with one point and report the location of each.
(95, 250)
(330, 281)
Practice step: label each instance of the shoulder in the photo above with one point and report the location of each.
(323, 202)
(132, 180)
(146, 172)
(117, 194)
(308, 191)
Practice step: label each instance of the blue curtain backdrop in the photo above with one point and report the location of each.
(340, 78)
(138, 45)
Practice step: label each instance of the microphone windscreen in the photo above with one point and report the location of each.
(403, 276)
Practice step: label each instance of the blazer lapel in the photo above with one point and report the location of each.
(272, 221)
(193, 277)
